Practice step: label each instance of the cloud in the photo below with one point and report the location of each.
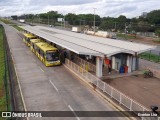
(61, 2)
(113, 8)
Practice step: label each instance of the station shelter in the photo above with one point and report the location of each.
(119, 54)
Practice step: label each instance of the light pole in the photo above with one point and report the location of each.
(94, 20)
(115, 26)
(39, 19)
(64, 21)
(48, 19)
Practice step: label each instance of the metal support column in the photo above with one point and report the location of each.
(99, 64)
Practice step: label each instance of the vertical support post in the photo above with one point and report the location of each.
(48, 19)
(129, 63)
(113, 62)
(137, 62)
(94, 24)
(64, 22)
(99, 63)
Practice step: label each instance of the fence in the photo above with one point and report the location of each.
(91, 67)
(153, 56)
(122, 99)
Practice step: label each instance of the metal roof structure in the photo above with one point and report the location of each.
(87, 44)
(70, 46)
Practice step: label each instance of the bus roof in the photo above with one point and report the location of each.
(36, 40)
(45, 46)
(29, 35)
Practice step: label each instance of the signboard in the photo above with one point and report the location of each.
(60, 19)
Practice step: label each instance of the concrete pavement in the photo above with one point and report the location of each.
(51, 88)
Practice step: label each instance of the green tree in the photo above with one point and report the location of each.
(14, 17)
(72, 19)
(108, 23)
(121, 22)
(158, 33)
(153, 17)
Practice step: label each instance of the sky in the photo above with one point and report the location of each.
(104, 8)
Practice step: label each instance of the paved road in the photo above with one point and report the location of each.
(51, 88)
(145, 63)
(156, 51)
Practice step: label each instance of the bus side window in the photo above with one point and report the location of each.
(41, 53)
(33, 46)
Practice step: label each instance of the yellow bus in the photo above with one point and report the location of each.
(32, 44)
(27, 38)
(48, 54)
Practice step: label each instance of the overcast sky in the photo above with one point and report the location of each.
(113, 8)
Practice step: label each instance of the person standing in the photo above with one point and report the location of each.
(109, 68)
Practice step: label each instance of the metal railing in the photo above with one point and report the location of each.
(121, 98)
(153, 56)
(91, 67)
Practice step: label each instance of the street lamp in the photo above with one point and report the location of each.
(48, 19)
(64, 21)
(94, 20)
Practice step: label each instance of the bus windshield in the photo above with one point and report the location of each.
(52, 55)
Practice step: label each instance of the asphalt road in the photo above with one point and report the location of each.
(51, 88)
(156, 51)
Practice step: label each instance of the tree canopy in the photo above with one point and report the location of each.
(150, 23)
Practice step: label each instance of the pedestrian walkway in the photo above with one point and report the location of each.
(92, 69)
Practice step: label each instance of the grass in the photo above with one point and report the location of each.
(6, 21)
(18, 28)
(151, 57)
(157, 40)
(127, 36)
(2, 69)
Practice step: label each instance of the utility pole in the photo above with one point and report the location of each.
(48, 19)
(115, 26)
(80, 23)
(125, 30)
(39, 20)
(64, 21)
(94, 20)
(131, 27)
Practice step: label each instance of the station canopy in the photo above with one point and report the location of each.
(87, 44)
